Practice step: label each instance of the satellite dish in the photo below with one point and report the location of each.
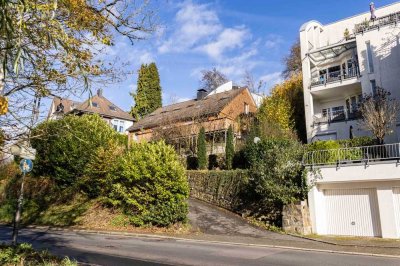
(257, 140)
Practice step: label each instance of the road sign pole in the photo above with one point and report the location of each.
(18, 212)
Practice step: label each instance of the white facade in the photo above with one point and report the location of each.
(356, 200)
(338, 70)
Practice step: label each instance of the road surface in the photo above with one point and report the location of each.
(103, 249)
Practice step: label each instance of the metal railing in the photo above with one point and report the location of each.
(376, 23)
(336, 116)
(334, 77)
(352, 155)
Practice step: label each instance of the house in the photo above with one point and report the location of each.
(355, 191)
(341, 62)
(98, 104)
(180, 123)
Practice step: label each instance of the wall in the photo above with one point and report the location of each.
(296, 218)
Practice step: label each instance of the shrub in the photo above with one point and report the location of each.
(223, 188)
(65, 146)
(276, 175)
(148, 182)
(230, 148)
(201, 149)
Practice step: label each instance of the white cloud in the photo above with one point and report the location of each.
(228, 39)
(273, 41)
(193, 23)
(272, 79)
(146, 58)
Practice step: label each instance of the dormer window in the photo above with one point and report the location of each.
(112, 108)
(94, 104)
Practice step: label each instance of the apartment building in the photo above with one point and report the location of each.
(343, 61)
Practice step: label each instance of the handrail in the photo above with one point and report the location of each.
(351, 155)
(334, 76)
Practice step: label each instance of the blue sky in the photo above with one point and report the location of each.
(231, 35)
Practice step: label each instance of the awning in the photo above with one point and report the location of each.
(331, 51)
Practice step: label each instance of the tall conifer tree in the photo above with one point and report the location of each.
(230, 148)
(148, 95)
(202, 150)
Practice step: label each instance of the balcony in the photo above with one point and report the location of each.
(336, 116)
(368, 25)
(345, 156)
(336, 76)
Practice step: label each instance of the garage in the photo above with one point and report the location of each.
(352, 212)
(396, 204)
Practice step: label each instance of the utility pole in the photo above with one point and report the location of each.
(18, 213)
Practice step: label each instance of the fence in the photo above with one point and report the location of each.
(364, 154)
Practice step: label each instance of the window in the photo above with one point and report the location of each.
(94, 104)
(246, 108)
(373, 86)
(112, 108)
(369, 58)
(118, 125)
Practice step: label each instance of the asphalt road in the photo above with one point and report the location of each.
(102, 249)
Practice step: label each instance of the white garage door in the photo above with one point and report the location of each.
(352, 212)
(396, 199)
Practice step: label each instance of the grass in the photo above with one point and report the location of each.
(24, 255)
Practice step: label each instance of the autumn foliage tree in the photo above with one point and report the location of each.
(50, 48)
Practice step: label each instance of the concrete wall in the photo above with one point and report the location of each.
(382, 177)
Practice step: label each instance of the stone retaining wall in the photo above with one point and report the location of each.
(296, 218)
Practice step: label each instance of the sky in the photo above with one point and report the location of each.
(233, 36)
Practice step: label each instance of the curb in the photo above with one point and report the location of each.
(100, 232)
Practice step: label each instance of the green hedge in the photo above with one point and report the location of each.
(222, 188)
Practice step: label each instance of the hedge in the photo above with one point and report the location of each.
(222, 188)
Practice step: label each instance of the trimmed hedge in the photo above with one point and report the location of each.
(222, 188)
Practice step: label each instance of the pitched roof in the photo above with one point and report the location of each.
(187, 110)
(102, 106)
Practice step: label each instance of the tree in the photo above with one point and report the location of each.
(65, 147)
(250, 83)
(293, 61)
(212, 79)
(292, 91)
(50, 48)
(379, 113)
(148, 95)
(202, 149)
(230, 148)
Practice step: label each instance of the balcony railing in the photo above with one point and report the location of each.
(377, 23)
(334, 77)
(337, 116)
(353, 155)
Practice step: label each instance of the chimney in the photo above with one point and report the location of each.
(201, 94)
(100, 92)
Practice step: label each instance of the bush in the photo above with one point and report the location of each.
(223, 188)
(148, 182)
(202, 150)
(65, 146)
(276, 177)
(230, 148)
(24, 254)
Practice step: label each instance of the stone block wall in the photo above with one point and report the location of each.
(296, 218)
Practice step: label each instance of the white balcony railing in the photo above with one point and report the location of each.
(336, 116)
(334, 77)
(365, 154)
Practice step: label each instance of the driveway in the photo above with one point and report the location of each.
(209, 219)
